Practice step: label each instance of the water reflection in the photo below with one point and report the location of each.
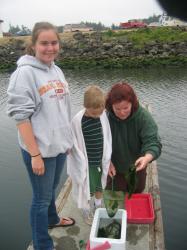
(166, 91)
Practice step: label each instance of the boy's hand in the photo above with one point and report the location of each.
(112, 170)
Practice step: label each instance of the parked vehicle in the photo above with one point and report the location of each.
(23, 33)
(133, 24)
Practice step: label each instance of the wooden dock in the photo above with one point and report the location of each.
(139, 236)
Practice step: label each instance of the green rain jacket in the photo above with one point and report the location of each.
(132, 138)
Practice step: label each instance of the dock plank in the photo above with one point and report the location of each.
(139, 236)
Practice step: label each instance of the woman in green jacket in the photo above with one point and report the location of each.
(135, 139)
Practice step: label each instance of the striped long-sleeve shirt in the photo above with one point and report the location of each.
(93, 137)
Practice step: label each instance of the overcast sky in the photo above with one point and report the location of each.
(61, 12)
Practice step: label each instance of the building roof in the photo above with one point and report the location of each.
(81, 25)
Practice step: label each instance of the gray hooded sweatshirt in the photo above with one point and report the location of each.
(39, 94)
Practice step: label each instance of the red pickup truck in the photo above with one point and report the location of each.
(132, 24)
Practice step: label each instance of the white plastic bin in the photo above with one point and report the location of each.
(116, 244)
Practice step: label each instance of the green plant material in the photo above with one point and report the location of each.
(131, 178)
(113, 200)
(115, 205)
(81, 244)
(140, 37)
(111, 207)
(110, 33)
(120, 63)
(112, 231)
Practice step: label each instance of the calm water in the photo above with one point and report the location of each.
(166, 91)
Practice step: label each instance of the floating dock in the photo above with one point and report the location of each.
(139, 236)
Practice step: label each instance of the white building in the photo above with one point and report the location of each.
(76, 27)
(154, 24)
(166, 20)
(1, 30)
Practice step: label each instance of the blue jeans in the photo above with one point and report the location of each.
(43, 210)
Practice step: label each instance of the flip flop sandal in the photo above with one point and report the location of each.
(63, 222)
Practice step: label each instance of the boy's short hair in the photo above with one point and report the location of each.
(94, 97)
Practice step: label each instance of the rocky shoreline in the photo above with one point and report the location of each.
(84, 50)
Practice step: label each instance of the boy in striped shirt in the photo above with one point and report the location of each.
(92, 142)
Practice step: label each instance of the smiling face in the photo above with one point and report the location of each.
(47, 46)
(122, 109)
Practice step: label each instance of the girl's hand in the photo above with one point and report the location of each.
(112, 170)
(38, 165)
(142, 161)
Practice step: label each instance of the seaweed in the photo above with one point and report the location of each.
(111, 207)
(112, 231)
(113, 200)
(131, 178)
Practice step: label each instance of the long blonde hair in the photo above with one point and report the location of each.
(38, 28)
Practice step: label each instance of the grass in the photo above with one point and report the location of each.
(140, 37)
(6, 40)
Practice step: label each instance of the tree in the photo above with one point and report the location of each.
(96, 26)
(13, 29)
(16, 30)
(60, 29)
(151, 19)
(114, 27)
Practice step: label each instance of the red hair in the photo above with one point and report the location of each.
(119, 92)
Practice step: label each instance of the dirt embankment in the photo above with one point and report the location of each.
(94, 49)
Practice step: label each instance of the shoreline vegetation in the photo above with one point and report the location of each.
(136, 48)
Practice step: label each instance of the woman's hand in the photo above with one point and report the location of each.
(38, 165)
(142, 161)
(112, 170)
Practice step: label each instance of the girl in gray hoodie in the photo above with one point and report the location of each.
(39, 102)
